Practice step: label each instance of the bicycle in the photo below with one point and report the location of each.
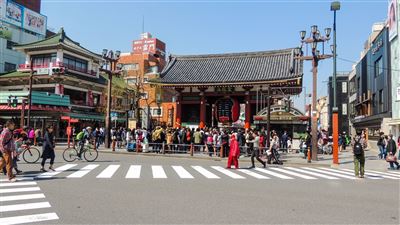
(30, 154)
(89, 153)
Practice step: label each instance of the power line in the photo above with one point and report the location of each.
(353, 62)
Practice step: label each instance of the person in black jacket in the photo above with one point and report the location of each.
(392, 149)
(48, 148)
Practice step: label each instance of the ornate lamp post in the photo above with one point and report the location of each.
(314, 40)
(110, 68)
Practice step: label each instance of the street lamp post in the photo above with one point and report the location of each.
(110, 59)
(335, 6)
(30, 92)
(314, 39)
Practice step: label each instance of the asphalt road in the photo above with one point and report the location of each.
(87, 199)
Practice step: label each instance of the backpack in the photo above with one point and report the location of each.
(80, 135)
(358, 149)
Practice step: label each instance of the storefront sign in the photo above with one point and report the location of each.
(398, 93)
(5, 32)
(377, 46)
(35, 22)
(392, 19)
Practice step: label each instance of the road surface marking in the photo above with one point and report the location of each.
(395, 173)
(57, 171)
(274, 174)
(134, 171)
(294, 174)
(24, 206)
(20, 197)
(381, 176)
(228, 173)
(251, 173)
(108, 172)
(83, 171)
(383, 173)
(28, 218)
(2, 191)
(158, 172)
(205, 172)
(19, 179)
(330, 173)
(17, 184)
(352, 173)
(182, 173)
(312, 173)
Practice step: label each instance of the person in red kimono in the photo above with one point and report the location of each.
(234, 152)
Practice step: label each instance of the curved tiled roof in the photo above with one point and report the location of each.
(244, 67)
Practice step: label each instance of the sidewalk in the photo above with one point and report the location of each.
(290, 159)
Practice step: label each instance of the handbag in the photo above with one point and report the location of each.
(391, 158)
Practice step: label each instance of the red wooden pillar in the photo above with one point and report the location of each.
(202, 109)
(247, 120)
(178, 121)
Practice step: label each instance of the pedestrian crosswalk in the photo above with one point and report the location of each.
(20, 200)
(192, 172)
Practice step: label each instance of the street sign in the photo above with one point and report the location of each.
(42, 71)
(113, 118)
(65, 118)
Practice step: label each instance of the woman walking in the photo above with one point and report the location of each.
(234, 152)
(48, 148)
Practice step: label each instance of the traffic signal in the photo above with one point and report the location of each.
(14, 103)
(287, 105)
(9, 101)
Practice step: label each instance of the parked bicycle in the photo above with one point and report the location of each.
(89, 153)
(30, 154)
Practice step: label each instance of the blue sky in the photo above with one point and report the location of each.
(220, 26)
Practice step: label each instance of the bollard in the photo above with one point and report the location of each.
(113, 145)
(191, 149)
(221, 152)
(163, 148)
(308, 155)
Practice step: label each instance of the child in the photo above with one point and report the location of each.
(289, 144)
(19, 146)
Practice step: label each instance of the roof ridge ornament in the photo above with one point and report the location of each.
(62, 32)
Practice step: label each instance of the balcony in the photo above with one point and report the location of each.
(27, 67)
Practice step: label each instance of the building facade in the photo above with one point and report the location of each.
(342, 99)
(20, 23)
(394, 28)
(63, 69)
(153, 105)
(373, 84)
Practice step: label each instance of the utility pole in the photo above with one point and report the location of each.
(30, 93)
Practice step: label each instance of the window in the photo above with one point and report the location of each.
(10, 44)
(44, 60)
(9, 67)
(131, 66)
(145, 95)
(378, 67)
(76, 64)
(374, 100)
(380, 101)
(132, 81)
(344, 87)
(156, 111)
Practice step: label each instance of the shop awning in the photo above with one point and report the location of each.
(35, 108)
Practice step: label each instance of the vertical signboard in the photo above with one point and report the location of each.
(34, 22)
(392, 19)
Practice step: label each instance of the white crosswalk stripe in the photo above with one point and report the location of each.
(158, 172)
(19, 179)
(205, 172)
(57, 171)
(383, 173)
(352, 173)
(227, 172)
(377, 175)
(294, 174)
(24, 206)
(82, 172)
(272, 173)
(17, 184)
(20, 197)
(312, 173)
(182, 173)
(251, 173)
(395, 173)
(134, 171)
(11, 190)
(28, 218)
(330, 173)
(108, 172)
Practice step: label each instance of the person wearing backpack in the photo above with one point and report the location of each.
(7, 148)
(359, 144)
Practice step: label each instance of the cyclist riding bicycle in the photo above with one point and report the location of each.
(87, 136)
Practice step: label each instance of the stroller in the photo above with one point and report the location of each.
(275, 156)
